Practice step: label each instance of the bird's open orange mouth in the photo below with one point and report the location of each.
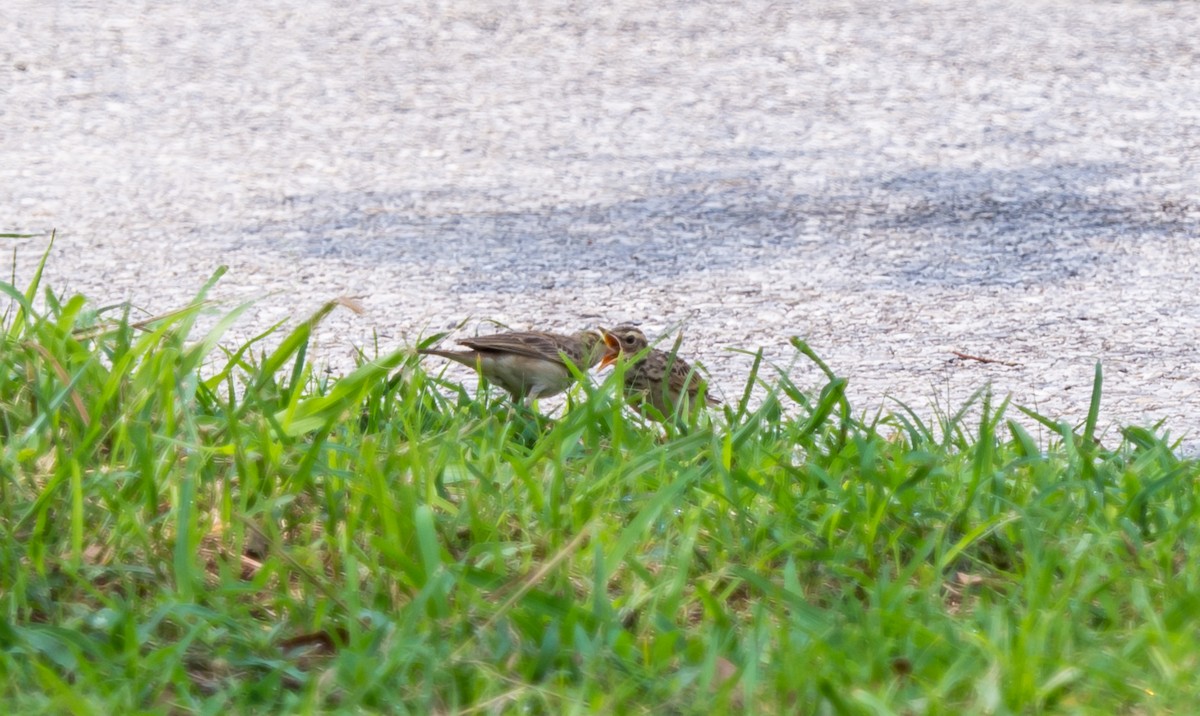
(612, 347)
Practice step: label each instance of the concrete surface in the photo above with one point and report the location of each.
(892, 181)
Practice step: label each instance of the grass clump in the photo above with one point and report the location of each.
(186, 527)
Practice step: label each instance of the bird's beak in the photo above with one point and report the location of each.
(612, 348)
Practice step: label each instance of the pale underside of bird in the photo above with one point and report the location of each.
(529, 364)
(662, 379)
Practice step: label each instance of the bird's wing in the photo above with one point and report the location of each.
(682, 374)
(544, 346)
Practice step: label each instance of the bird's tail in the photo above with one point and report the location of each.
(467, 358)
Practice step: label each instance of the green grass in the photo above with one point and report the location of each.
(188, 527)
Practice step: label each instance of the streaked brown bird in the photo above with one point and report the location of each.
(657, 377)
(529, 364)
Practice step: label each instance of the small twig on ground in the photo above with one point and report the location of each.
(967, 356)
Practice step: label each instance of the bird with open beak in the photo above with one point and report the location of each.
(664, 380)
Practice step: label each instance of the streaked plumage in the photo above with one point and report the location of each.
(528, 364)
(657, 377)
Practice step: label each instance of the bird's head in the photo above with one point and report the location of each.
(622, 340)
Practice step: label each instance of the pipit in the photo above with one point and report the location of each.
(657, 377)
(529, 365)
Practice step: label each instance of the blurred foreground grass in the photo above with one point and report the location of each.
(190, 527)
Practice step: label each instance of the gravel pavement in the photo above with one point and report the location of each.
(891, 180)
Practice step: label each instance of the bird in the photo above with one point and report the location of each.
(656, 376)
(528, 364)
